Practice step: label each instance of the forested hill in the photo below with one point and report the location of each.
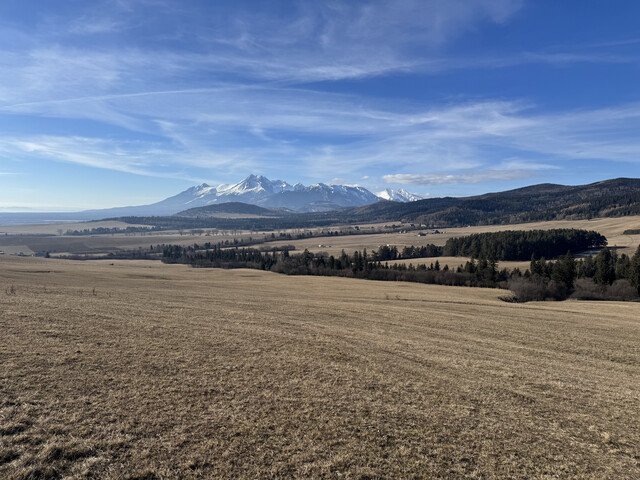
(238, 208)
(618, 197)
(610, 198)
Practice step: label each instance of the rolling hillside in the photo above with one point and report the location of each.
(610, 198)
(233, 208)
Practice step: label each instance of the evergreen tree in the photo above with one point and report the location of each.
(587, 268)
(535, 267)
(564, 270)
(623, 267)
(605, 268)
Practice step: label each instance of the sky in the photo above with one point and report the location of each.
(126, 102)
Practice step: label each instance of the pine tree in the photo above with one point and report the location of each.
(605, 268)
(623, 267)
(564, 270)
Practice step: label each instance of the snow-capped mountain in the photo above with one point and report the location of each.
(250, 190)
(320, 197)
(259, 190)
(400, 195)
(253, 186)
(255, 190)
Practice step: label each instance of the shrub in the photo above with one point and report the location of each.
(587, 289)
(534, 289)
(537, 288)
(622, 290)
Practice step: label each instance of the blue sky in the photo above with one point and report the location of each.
(125, 102)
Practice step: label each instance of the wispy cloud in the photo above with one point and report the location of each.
(325, 135)
(311, 42)
(444, 179)
(90, 152)
(224, 89)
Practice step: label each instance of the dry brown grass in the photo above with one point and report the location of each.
(29, 239)
(455, 262)
(611, 228)
(55, 227)
(102, 244)
(143, 370)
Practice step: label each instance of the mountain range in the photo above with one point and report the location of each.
(255, 190)
(259, 190)
(297, 206)
(610, 198)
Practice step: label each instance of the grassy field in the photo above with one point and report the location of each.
(30, 239)
(102, 244)
(56, 228)
(611, 228)
(35, 238)
(455, 262)
(144, 370)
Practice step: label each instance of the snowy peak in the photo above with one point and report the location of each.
(259, 190)
(400, 195)
(319, 197)
(255, 185)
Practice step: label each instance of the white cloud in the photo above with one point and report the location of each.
(311, 42)
(136, 157)
(256, 118)
(448, 179)
(243, 128)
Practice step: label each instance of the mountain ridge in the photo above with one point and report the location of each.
(606, 198)
(543, 202)
(399, 195)
(256, 190)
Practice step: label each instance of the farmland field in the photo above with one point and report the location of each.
(455, 262)
(30, 239)
(612, 228)
(143, 370)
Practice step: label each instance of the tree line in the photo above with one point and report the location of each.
(522, 244)
(607, 276)
(506, 245)
(360, 264)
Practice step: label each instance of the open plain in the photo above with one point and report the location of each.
(612, 228)
(133, 369)
(30, 239)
